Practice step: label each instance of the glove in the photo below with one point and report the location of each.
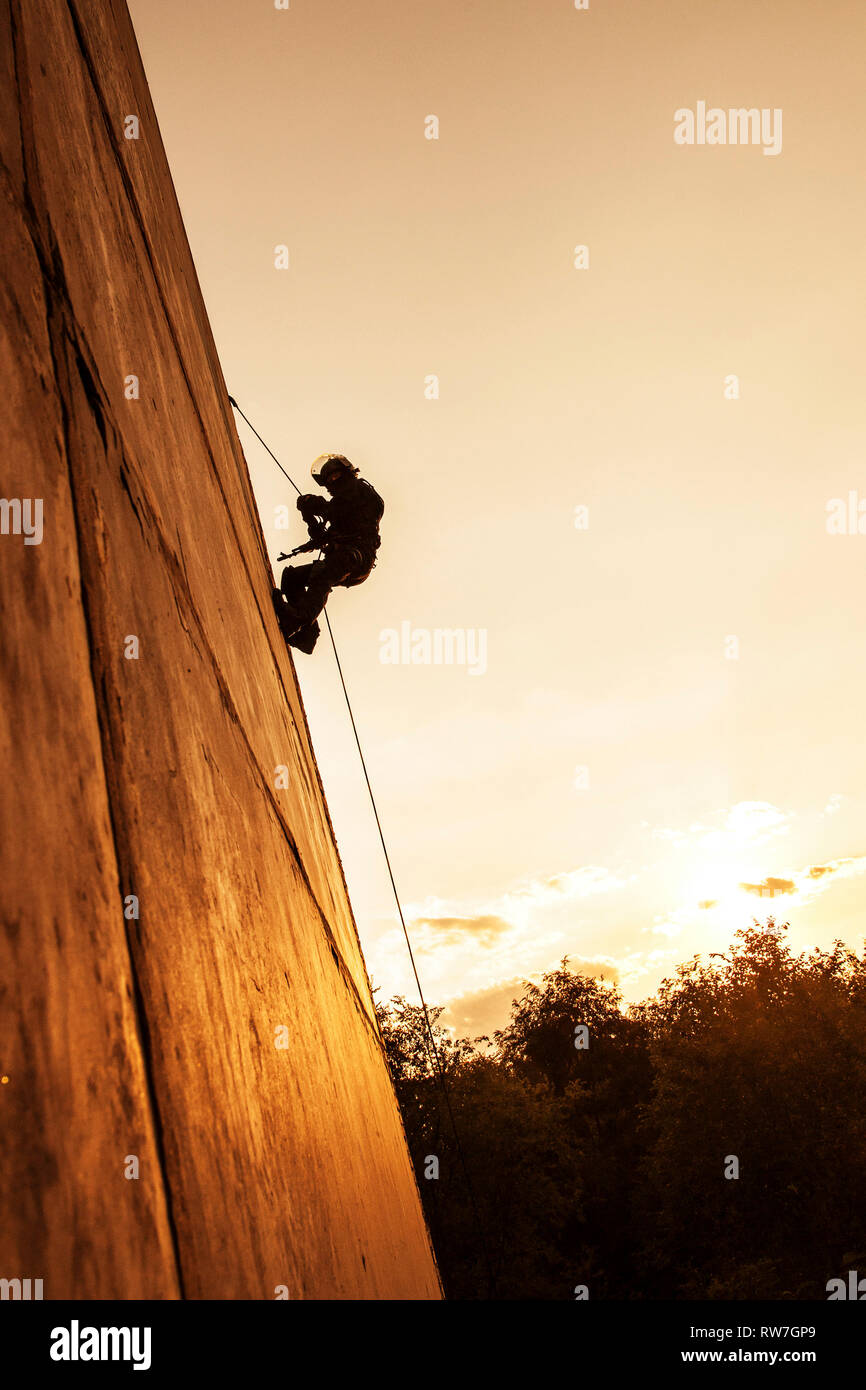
(310, 505)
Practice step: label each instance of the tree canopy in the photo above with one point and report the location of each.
(707, 1143)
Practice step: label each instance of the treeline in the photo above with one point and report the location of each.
(708, 1143)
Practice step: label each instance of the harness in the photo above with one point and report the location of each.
(359, 541)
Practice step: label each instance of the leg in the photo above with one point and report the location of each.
(307, 587)
(293, 581)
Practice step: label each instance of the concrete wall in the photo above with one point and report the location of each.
(156, 777)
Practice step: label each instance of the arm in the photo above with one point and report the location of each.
(314, 510)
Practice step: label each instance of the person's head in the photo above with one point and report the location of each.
(334, 472)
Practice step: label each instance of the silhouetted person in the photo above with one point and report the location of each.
(346, 530)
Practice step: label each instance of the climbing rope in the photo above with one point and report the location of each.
(264, 445)
(432, 1038)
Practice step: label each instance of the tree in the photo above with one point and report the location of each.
(707, 1143)
(603, 1082)
(760, 1059)
(497, 1222)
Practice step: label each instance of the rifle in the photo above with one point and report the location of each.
(299, 550)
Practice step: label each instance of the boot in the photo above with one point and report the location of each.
(305, 638)
(287, 618)
(297, 630)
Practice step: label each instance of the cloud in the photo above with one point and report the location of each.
(560, 888)
(747, 823)
(815, 879)
(756, 820)
(770, 888)
(517, 912)
(470, 945)
(485, 928)
(480, 1012)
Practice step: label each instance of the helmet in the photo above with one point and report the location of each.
(327, 464)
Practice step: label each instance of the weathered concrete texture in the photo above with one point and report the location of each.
(261, 1165)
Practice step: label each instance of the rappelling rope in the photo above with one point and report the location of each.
(433, 1048)
(264, 445)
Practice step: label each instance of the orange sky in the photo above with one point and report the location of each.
(558, 388)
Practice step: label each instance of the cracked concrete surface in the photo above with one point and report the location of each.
(156, 1037)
